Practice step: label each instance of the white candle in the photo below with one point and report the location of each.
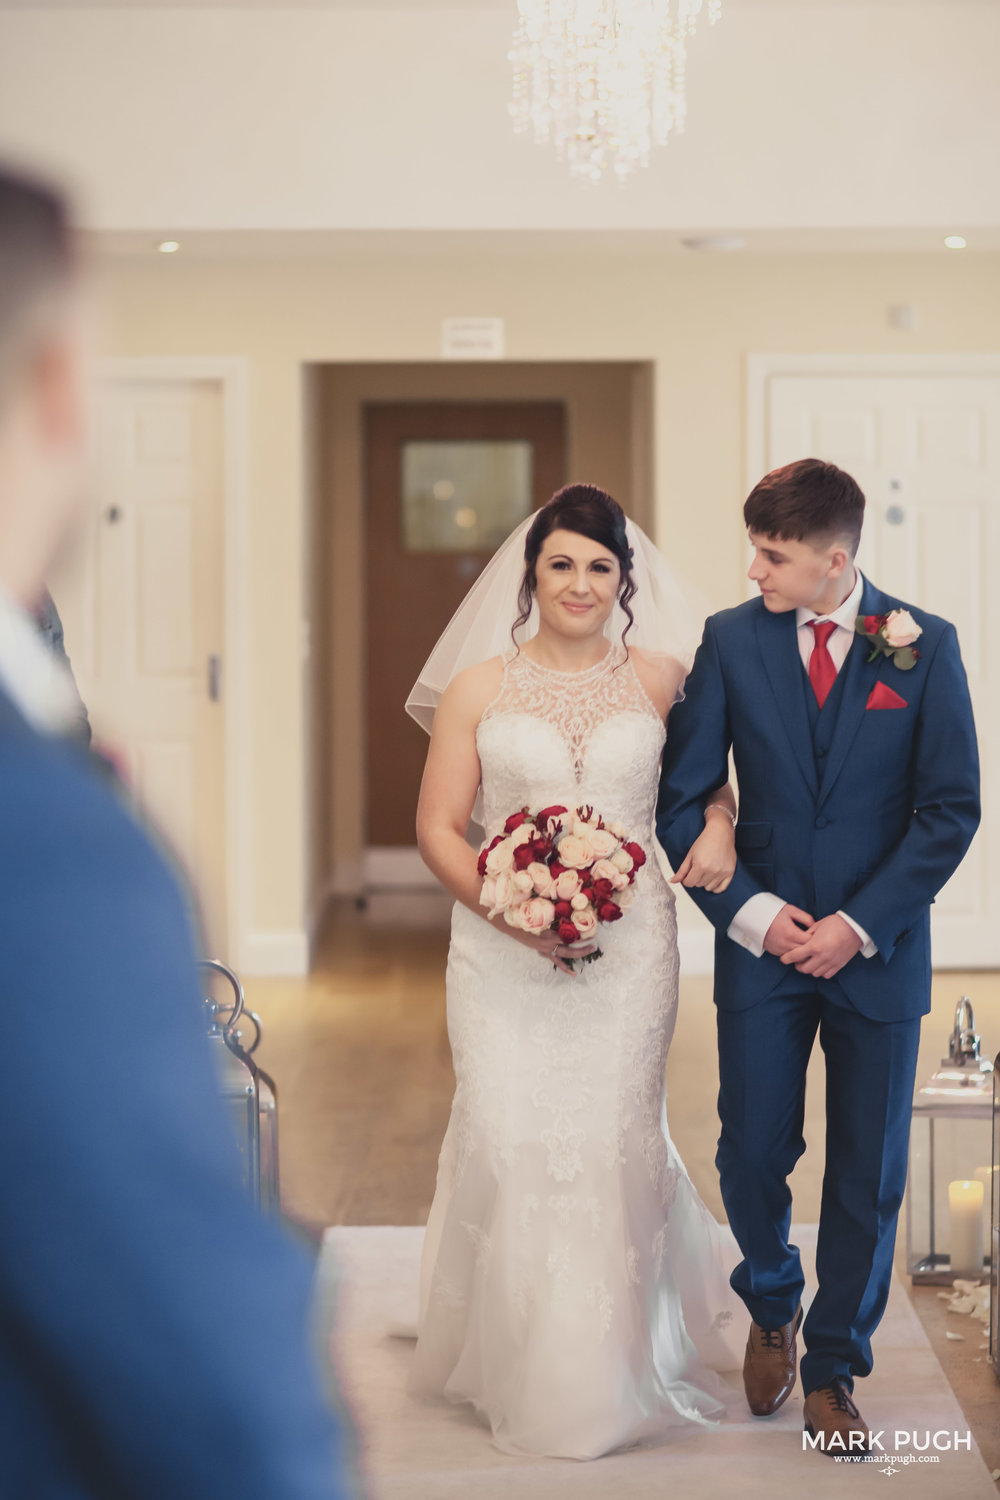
(965, 1237)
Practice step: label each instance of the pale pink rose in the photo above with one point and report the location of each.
(625, 896)
(901, 629)
(582, 826)
(585, 922)
(567, 885)
(541, 879)
(501, 858)
(523, 882)
(488, 895)
(604, 843)
(618, 829)
(622, 860)
(504, 891)
(603, 869)
(579, 902)
(536, 915)
(575, 851)
(523, 834)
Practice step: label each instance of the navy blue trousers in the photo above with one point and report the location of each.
(870, 1070)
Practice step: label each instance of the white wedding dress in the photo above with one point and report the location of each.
(574, 1287)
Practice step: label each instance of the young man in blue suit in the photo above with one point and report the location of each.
(153, 1324)
(849, 719)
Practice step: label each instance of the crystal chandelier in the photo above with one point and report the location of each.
(604, 80)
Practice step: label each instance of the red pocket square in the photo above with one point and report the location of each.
(882, 696)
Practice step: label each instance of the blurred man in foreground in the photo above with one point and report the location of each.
(153, 1326)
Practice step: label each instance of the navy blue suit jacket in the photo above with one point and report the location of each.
(876, 833)
(153, 1324)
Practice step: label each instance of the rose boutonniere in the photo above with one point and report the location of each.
(891, 635)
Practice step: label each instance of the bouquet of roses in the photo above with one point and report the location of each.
(560, 870)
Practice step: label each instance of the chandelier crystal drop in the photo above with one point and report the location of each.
(603, 80)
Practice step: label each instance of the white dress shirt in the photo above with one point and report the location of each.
(750, 925)
(32, 677)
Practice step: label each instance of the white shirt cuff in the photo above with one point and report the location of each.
(750, 924)
(869, 949)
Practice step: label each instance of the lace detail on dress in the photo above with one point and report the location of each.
(575, 703)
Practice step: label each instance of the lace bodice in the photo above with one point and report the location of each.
(593, 736)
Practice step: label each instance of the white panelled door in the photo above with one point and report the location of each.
(143, 610)
(926, 451)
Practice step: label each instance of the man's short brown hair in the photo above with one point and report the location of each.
(37, 260)
(807, 501)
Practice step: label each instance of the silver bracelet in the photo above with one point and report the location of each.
(722, 808)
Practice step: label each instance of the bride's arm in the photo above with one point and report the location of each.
(448, 792)
(711, 860)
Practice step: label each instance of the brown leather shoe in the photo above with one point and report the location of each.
(769, 1366)
(832, 1418)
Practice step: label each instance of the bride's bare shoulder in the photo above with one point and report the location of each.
(470, 692)
(660, 675)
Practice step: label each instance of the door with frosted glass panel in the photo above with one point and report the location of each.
(445, 483)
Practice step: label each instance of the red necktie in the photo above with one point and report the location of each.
(822, 672)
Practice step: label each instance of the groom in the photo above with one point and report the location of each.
(855, 753)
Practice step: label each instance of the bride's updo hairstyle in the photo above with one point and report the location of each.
(590, 512)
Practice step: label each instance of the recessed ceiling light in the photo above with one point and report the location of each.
(713, 242)
(167, 247)
(955, 242)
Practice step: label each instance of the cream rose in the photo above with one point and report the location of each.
(504, 891)
(501, 858)
(536, 915)
(622, 860)
(567, 885)
(488, 894)
(523, 882)
(522, 835)
(585, 922)
(575, 851)
(579, 902)
(618, 829)
(540, 879)
(901, 629)
(603, 869)
(604, 843)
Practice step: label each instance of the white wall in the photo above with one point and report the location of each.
(804, 114)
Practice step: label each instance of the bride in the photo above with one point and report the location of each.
(574, 1287)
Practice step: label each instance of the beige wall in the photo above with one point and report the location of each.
(695, 319)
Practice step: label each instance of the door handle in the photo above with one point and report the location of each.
(214, 677)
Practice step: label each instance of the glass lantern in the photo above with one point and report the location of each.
(951, 1187)
(250, 1094)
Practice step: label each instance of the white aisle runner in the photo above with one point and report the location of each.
(368, 1285)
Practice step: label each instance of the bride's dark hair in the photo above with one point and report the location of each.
(590, 512)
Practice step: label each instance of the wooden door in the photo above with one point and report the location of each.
(445, 483)
(142, 607)
(926, 451)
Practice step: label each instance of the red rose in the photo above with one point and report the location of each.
(603, 889)
(873, 624)
(564, 909)
(485, 854)
(567, 932)
(556, 869)
(638, 854)
(523, 856)
(514, 821)
(609, 911)
(547, 813)
(540, 849)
